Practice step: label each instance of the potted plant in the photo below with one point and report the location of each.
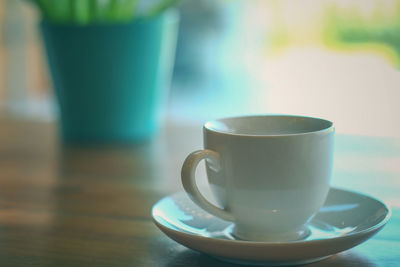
(111, 63)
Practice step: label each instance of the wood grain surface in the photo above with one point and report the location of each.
(90, 205)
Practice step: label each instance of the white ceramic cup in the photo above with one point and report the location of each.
(269, 173)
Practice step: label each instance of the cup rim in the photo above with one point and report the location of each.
(207, 127)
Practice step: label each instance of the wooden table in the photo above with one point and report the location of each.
(90, 206)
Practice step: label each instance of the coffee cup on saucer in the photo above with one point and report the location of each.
(269, 174)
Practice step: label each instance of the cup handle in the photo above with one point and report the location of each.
(189, 181)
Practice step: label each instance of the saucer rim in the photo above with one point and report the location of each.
(370, 230)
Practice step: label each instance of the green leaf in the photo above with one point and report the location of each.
(94, 11)
(162, 6)
(81, 12)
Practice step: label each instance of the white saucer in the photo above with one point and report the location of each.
(346, 220)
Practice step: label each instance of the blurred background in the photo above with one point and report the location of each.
(336, 59)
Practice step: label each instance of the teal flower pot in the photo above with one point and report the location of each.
(111, 81)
